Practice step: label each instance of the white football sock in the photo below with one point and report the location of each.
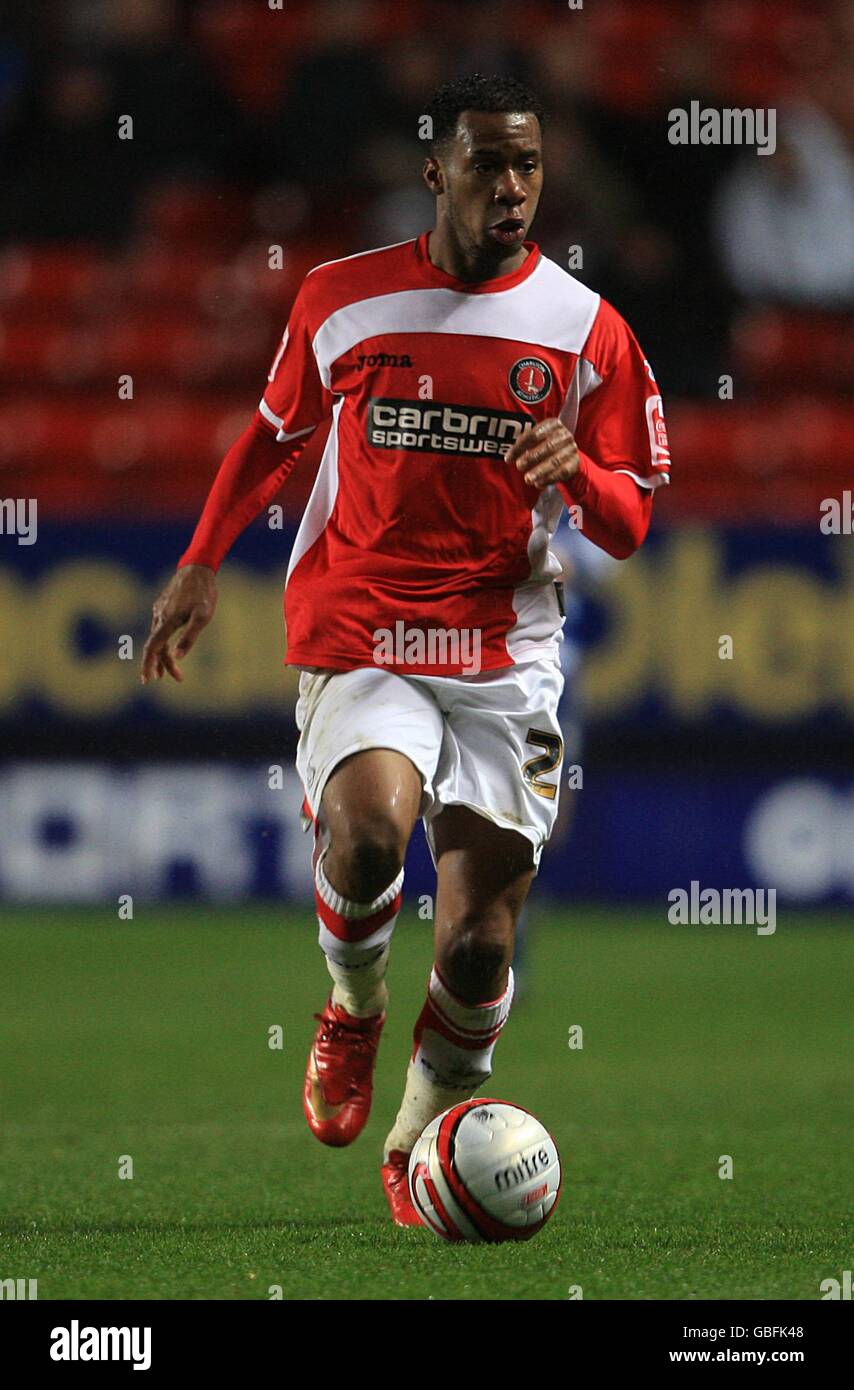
(360, 989)
(454, 1043)
(355, 939)
(423, 1100)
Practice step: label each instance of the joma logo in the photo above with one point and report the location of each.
(383, 359)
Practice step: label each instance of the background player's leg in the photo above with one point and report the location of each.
(483, 876)
(367, 814)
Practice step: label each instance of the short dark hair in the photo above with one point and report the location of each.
(477, 93)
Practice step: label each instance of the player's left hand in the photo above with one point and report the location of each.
(546, 453)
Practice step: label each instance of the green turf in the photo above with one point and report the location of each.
(149, 1038)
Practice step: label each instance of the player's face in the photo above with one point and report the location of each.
(491, 179)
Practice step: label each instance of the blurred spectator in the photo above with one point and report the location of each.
(336, 102)
(329, 156)
(480, 36)
(14, 71)
(785, 222)
(183, 122)
(585, 202)
(400, 205)
(663, 274)
(71, 175)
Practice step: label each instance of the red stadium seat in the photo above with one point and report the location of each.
(54, 276)
(189, 213)
(98, 455)
(769, 341)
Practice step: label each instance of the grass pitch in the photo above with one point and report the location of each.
(149, 1039)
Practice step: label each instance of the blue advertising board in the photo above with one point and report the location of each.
(652, 630)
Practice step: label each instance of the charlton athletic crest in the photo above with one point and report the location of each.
(530, 380)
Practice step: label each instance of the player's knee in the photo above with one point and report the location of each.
(475, 959)
(373, 856)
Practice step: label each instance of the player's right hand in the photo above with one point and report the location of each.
(186, 604)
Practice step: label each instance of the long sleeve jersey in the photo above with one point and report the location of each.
(415, 514)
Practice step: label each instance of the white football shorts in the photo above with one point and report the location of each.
(491, 742)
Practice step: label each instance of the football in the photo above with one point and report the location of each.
(485, 1170)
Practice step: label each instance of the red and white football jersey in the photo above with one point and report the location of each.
(415, 516)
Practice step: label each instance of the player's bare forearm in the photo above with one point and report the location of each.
(545, 454)
(182, 610)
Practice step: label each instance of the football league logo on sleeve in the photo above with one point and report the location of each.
(530, 379)
(659, 446)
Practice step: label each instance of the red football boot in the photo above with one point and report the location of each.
(395, 1176)
(339, 1076)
